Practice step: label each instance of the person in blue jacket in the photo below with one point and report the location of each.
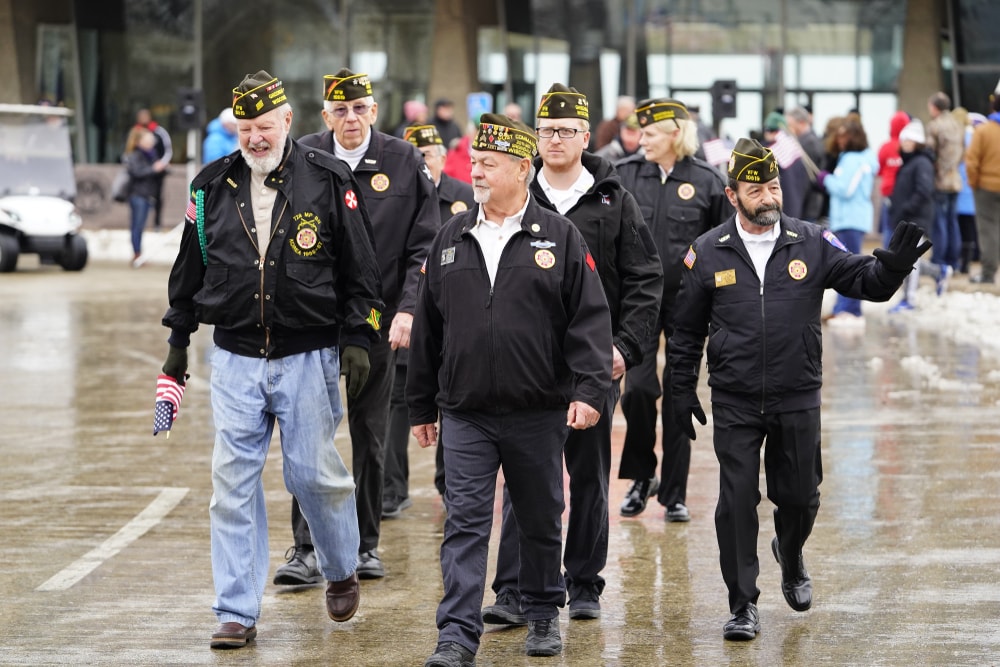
(220, 138)
(851, 210)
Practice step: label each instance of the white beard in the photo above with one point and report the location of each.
(480, 195)
(264, 165)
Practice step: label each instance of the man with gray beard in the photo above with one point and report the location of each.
(754, 287)
(277, 255)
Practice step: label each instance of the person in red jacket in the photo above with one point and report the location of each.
(889, 163)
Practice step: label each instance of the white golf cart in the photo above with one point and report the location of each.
(37, 188)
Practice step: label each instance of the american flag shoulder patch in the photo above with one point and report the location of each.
(832, 239)
(191, 214)
(690, 257)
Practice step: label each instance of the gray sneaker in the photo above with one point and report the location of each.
(506, 611)
(300, 569)
(543, 637)
(370, 565)
(677, 513)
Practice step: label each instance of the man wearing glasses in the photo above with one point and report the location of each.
(586, 189)
(397, 190)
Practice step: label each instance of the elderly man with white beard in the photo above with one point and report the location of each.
(277, 255)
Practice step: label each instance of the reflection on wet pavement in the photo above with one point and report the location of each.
(904, 555)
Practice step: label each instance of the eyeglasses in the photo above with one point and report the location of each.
(358, 109)
(549, 132)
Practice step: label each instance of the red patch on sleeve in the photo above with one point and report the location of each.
(591, 263)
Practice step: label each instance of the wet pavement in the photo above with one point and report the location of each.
(105, 545)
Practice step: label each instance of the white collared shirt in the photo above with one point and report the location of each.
(564, 200)
(759, 245)
(493, 237)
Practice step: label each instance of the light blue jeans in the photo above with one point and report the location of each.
(302, 393)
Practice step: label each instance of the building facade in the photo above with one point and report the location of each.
(108, 58)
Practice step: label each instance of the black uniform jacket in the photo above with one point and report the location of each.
(627, 262)
(454, 197)
(691, 202)
(765, 346)
(539, 338)
(913, 194)
(403, 207)
(318, 275)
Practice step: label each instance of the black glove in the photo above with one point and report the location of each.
(904, 248)
(355, 365)
(686, 407)
(176, 364)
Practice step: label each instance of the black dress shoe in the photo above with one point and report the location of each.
(343, 598)
(796, 585)
(744, 625)
(638, 494)
(233, 635)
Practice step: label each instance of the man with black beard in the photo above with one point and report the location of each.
(754, 286)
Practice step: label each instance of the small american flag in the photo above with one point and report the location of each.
(786, 150)
(168, 403)
(716, 152)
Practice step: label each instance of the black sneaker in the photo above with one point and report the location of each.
(638, 494)
(744, 624)
(451, 654)
(370, 565)
(300, 569)
(584, 601)
(543, 637)
(506, 611)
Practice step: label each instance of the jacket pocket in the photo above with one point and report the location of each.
(213, 297)
(309, 298)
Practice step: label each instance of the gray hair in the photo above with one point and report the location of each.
(799, 114)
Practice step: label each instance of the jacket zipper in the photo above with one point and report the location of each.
(763, 348)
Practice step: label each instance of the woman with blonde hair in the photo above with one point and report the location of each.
(680, 197)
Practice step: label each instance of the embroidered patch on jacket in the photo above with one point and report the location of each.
(305, 242)
(832, 239)
(380, 182)
(797, 269)
(458, 207)
(351, 199)
(690, 257)
(375, 319)
(545, 259)
(724, 278)
(685, 191)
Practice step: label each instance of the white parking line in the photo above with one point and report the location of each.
(130, 532)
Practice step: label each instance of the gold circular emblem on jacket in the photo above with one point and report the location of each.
(380, 182)
(685, 191)
(458, 207)
(797, 269)
(545, 259)
(306, 238)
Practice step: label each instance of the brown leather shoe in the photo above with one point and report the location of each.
(343, 598)
(233, 635)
